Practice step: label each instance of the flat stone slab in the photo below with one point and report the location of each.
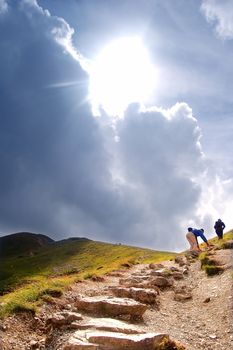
(106, 324)
(115, 341)
(132, 281)
(111, 306)
(161, 272)
(120, 341)
(79, 344)
(143, 295)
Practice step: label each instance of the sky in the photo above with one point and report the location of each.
(116, 119)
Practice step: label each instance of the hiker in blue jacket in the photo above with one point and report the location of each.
(192, 235)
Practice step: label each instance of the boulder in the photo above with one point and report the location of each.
(178, 275)
(156, 266)
(143, 295)
(182, 293)
(63, 318)
(180, 260)
(162, 282)
(111, 306)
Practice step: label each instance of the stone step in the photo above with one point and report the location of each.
(143, 295)
(114, 341)
(106, 324)
(111, 306)
(63, 318)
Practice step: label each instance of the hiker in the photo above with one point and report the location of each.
(192, 235)
(219, 227)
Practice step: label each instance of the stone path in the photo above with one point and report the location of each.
(147, 307)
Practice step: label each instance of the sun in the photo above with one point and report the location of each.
(121, 74)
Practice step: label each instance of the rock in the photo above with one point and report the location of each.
(96, 278)
(132, 281)
(115, 274)
(63, 318)
(111, 306)
(212, 336)
(34, 344)
(162, 282)
(182, 293)
(182, 297)
(192, 254)
(141, 278)
(207, 300)
(180, 260)
(227, 244)
(178, 275)
(106, 324)
(156, 266)
(161, 272)
(185, 270)
(3, 328)
(116, 341)
(173, 269)
(79, 344)
(146, 296)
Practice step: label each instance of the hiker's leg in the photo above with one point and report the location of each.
(189, 237)
(192, 241)
(219, 234)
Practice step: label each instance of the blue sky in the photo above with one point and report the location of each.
(141, 179)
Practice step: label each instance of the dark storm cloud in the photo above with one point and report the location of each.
(51, 148)
(62, 171)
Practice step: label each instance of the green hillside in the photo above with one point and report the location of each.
(25, 278)
(33, 275)
(21, 243)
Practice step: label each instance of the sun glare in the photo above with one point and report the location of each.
(121, 74)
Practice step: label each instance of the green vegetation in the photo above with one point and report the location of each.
(226, 237)
(168, 344)
(210, 265)
(26, 280)
(212, 270)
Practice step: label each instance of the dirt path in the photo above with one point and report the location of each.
(204, 322)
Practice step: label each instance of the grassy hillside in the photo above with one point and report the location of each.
(21, 243)
(27, 278)
(215, 241)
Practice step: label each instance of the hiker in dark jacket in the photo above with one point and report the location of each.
(192, 235)
(219, 227)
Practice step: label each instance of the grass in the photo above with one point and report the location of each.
(226, 237)
(212, 270)
(207, 263)
(27, 280)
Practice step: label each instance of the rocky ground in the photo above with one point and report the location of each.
(132, 309)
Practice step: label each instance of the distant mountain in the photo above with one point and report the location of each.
(21, 243)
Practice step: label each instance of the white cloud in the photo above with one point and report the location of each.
(3, 6)
(221, 14)
(159, 163)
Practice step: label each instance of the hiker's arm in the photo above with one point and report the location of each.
(197, 243)
(204, 239)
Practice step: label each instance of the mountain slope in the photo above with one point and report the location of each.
(21, 243)
(66, 261)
